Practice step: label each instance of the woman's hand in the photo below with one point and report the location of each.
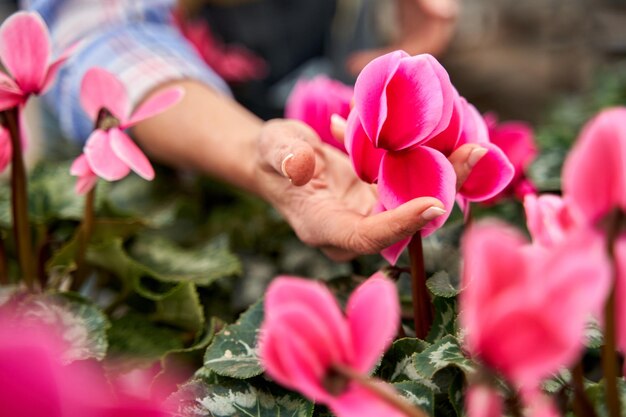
(315, 188)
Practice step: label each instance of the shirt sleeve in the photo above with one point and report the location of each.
(142, 53)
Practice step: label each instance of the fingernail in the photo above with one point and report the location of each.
(283, 165)
(475, 156)
(338, 121)
(432, 213)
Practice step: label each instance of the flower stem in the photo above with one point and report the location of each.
(86, 230)
(582, 406)
(19, 200)
(377, 388)
(422, 306)
(610, 367)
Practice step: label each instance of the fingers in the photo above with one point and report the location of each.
(338, 127)
(288, 147)
(464, 159)
(345, 233)
(441, 9)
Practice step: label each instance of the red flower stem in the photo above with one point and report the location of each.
(19, 201)
(85, 232)
(4, 267)
(422, 305)
(610, 367)
(374, 386)
(581, 405)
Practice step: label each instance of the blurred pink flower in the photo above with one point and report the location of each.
(232, 63)
(548, 294)
(517, 141)
(314, 101)
(483, 401)
(548, 219)
(6, 149)
(35, 382)
(594, 182)
(305, 333)
(26, 51)
(109, 152)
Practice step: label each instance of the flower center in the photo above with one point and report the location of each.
(335, 383)
(613, 223)
(106, 120)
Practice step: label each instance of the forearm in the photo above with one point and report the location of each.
(206, 131)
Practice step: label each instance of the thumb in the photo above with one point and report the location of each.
(288, 148)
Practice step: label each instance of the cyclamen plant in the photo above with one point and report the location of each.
(514, 344)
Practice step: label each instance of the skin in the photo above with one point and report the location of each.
(426, 26)
(285, 163)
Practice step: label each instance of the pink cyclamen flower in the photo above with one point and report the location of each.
(305, 333)
(35, 382)
(26, 52)
(594, 181)
(407, 120)
(6, 149)
(109, 152)
(548, 294)
(517, 141)
(314, 101)
(549, 219)
(483, 401)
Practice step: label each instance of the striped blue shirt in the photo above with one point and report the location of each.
(134, 39)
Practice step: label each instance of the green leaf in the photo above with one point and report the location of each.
(441, 285)
(397, 364)
(84, 326)
(593, 335)
(181, 308)
(170, 263)
(233, 351)
(558, 382)
(233, 398)
(442, 354)
(51, 194)
(136, 341)
(418, 394)
(455, 393)
(444, 322)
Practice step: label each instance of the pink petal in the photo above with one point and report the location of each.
(304, 369)
(517, 141)
(493, 263)
(314, 101)
(155, 105)
(489, 177)
(25, 49)
(594, 174)
(446, 141)
(130, 154)
(370, 95)
(419, 103)
(373, 313)
(358, 401)
(620, 291)
(102, 159)
(419, 172)
(54, 68)
(290, 290)
(364, 156)
(393, 252)
(10, 93)
(474, 128)
(6, 149)
(547, 218)
(483, 401)
(80, 166)
(102, 90)
(85, 184)
(577, 273)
